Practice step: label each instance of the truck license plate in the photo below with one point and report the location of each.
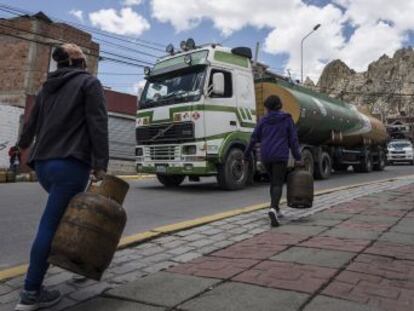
(162, 169)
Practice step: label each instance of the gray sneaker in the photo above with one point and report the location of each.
(35, 300)
(273, 218)
(279, 214)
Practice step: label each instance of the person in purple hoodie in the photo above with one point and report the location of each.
(276, 134)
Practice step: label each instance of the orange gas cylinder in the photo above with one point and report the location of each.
(90, 230)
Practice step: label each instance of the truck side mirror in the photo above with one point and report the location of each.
(218, 83)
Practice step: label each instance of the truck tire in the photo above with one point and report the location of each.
(307, 159)
(323, 167)
(233, 174)
(366, 164)
(170, 180)
(380, 165)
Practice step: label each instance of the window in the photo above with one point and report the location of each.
(228, 84)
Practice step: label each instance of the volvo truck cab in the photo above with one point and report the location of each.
(196, 114)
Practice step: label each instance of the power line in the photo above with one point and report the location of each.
(122, 38)
(46, 36)
(100, 57)
(128, 48)
(119, 74)
(62, 41)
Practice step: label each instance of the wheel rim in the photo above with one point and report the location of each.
(237, 169)
(308, 165)
(325, 166)
(369, 163)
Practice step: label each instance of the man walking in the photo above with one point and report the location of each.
(277, 135)
(69, 125)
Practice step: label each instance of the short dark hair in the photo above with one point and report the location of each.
(273, 102)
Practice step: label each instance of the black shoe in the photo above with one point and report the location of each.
(273, 218)
(35, 300)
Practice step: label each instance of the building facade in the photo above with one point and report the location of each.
(26, 46)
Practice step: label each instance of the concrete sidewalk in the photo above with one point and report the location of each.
(356, 253)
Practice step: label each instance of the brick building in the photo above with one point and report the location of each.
(26, 45)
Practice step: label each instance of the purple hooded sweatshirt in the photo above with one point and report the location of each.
(276, 134)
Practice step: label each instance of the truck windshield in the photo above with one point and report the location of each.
(175, 87)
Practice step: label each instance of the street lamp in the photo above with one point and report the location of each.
(301, 50)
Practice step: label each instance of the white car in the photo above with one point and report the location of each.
(400, 151)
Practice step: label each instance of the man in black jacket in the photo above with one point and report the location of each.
(69, 126)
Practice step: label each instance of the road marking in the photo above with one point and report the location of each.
(142, 236)
(136, 177)
(13, 272)
(188, 224)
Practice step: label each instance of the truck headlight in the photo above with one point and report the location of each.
(212, 148)
(190, 149)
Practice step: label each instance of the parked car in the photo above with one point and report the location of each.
(401, 150)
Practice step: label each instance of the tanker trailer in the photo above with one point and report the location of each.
(333, 134)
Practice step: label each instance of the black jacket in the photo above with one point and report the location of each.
(69, 119)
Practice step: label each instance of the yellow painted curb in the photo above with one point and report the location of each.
(159, 231)
(13, 272)
(139, 237)
(135, 177)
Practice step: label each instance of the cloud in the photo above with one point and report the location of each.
(124, 22)
(131, 2)
(379, 26)
(77, 13)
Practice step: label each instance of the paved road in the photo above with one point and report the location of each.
(148, 205)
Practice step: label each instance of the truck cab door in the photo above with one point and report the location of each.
(221, 118)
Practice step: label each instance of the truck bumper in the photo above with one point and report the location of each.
(202, 168)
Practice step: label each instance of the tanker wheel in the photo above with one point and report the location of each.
(170, 180)
(323, 167)
(380, 165)
(233, 174)
(307, 159)
(366, 164)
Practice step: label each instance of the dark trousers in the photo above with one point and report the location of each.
(62, 179)
(277, 174)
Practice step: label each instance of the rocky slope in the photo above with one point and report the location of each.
(386, 88)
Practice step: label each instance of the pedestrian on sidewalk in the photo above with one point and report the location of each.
(276, 134)
(69, 125)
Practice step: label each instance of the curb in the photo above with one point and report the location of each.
(145, 236)
(135, 177)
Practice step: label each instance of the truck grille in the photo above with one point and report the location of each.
(162, 153)
(165, 133)
(398, 152)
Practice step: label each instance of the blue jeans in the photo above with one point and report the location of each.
(62, 179)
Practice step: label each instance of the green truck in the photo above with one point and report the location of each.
(200, 105)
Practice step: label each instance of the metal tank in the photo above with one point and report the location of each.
(90, 229)
(321, 119)
(300, 188)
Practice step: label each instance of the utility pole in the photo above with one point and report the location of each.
(256, 54)
(301, 50)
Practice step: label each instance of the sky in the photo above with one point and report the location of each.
(355, 31)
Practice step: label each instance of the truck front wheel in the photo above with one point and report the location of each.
(233, 173)
(323, 167)
(170, 180)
